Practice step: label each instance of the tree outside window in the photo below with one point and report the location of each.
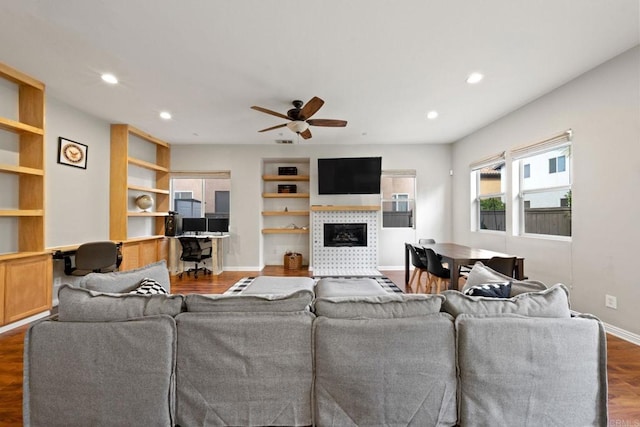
(491, 208)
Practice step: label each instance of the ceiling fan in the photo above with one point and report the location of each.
(300, 117)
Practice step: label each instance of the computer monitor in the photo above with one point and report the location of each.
(218, 225)
(194, 225)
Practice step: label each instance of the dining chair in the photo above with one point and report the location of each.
(426, 241)
(506, 266)
(419, 262)
(438, 274)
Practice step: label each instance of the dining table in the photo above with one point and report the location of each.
(456, 256)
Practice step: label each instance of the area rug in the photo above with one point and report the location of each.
(383, 281)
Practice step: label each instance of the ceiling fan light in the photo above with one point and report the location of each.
(298, 126)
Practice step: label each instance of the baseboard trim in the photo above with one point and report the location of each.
(23, 322)
(391, 267)
(622, 334)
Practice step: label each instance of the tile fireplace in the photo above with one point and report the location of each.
(344, 239)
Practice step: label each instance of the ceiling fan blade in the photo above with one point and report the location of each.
(306, 134)
(328, 123)
(273, 127)
(311, 107)
(273, 113)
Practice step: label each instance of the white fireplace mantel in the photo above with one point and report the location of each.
(344, 208)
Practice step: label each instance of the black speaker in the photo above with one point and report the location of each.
(173, 225)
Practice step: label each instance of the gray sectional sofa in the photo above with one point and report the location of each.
(288, 353)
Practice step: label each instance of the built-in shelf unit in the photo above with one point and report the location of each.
(139, 165)
(285, 213)
(25, 266)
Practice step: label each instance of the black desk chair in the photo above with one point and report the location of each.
(93, 257)
(197, 250)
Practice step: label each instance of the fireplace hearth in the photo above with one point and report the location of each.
(341, 235)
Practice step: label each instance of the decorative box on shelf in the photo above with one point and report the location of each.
(287, 188)
(287, 170)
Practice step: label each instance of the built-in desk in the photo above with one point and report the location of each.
(217, 250)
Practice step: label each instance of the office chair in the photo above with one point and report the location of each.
(437, 273)
(195, 250)
(506, 266)
(419, 262)
(94, 257)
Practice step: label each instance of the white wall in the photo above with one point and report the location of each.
(244, 251)
(603, 108)
(77, 200)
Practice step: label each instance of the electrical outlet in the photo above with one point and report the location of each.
(57, 281)
(611, 301)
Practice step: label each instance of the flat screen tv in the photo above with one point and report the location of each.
(349, 175)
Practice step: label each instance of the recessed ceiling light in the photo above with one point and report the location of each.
(474, 78)
(165, 115)
(432, 115)
(110, 78)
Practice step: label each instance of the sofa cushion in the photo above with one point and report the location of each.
(552, 302)
(348, 287)
(271, 285)
(294, 301)
(532, 372)
(385, 372)
(83, 305)
(244, 369)
(100, 373)
(480, 274)
(386, 306)
(495, 290)
(126, 281)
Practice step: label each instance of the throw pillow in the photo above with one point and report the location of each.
(480, 274)
(149, 287)
(552, 302)
(494, 290)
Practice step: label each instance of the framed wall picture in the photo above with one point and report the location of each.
(72, 153)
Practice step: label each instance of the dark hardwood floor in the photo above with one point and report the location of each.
(623, 365)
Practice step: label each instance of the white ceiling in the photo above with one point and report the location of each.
(379, 64)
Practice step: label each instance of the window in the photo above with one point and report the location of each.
(488, 179)
(402, 202)
(201, 194)
(557, 164)
(544, 197)
(398, 199)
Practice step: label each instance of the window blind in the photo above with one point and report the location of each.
(554, 142)
(488, 161)
(399, 172)
(201, 174)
